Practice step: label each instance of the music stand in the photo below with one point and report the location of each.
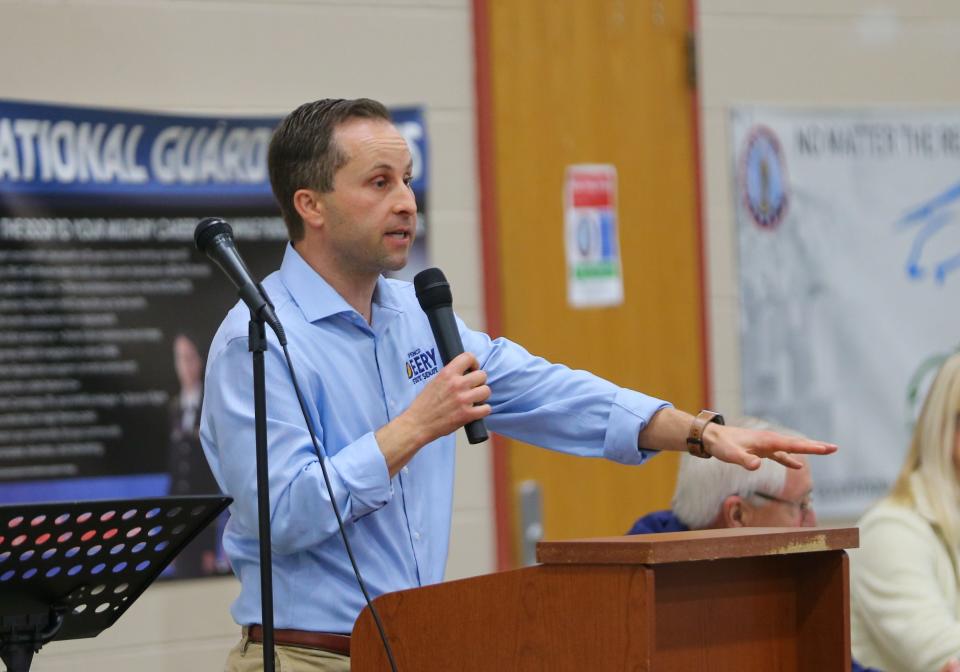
(69, 570)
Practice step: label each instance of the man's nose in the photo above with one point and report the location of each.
(406, 202)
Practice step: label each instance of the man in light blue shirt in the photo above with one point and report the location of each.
(383, 406)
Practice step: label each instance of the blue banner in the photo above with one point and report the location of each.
(106, 307)
(56, 159)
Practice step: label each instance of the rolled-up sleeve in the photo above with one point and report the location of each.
(559, 408)
(629, 415)
(363, 470)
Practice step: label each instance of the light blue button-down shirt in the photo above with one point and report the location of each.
(356, 377)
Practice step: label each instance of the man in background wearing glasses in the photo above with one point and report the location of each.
(712, 494)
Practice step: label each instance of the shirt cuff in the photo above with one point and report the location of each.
(630, 413)
(363, 470)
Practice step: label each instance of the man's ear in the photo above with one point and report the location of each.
(733, 512)
(310, 207)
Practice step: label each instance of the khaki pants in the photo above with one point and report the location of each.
(247, 656)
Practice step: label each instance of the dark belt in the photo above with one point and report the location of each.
(325, 641)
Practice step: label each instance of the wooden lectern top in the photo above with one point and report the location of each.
(654, 549)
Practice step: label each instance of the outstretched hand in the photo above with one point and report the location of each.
(669, 428)
(747, 446)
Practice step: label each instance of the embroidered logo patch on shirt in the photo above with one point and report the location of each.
(421, 364)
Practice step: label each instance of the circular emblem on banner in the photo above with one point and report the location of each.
(763, 178)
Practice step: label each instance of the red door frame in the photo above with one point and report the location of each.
(486, 145)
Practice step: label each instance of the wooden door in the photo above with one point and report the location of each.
(597, 81)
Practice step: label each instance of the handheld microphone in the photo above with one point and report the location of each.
(214, 237)
(436, 300)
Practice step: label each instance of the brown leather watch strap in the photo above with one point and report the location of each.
(695, 439)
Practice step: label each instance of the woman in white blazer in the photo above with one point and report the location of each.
(904, 588)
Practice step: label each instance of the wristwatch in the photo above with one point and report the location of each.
(695, 439)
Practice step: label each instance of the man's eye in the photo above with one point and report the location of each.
(379, 182)
(408, 180)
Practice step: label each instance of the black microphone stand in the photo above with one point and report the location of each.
(257, 340)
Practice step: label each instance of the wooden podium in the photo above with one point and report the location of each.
(746, 599)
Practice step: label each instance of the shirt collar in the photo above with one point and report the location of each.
(318, 299)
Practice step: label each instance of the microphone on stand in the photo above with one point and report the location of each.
(436, 300)
(214, 237)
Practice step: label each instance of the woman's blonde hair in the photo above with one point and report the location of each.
(931, 454)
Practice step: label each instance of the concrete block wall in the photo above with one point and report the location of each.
(262, 57)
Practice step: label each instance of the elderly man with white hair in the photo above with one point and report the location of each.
(713, 494)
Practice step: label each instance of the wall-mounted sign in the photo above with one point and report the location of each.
(849, 230)
(592, 237)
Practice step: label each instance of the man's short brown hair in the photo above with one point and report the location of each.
(304, 155)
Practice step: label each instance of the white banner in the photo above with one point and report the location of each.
(849, 228)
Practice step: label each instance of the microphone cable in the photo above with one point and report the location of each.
(336, 509)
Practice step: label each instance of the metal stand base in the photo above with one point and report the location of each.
(22, 636)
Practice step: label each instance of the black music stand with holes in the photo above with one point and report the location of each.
(69, 570)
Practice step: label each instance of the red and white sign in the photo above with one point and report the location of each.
(591, 235)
